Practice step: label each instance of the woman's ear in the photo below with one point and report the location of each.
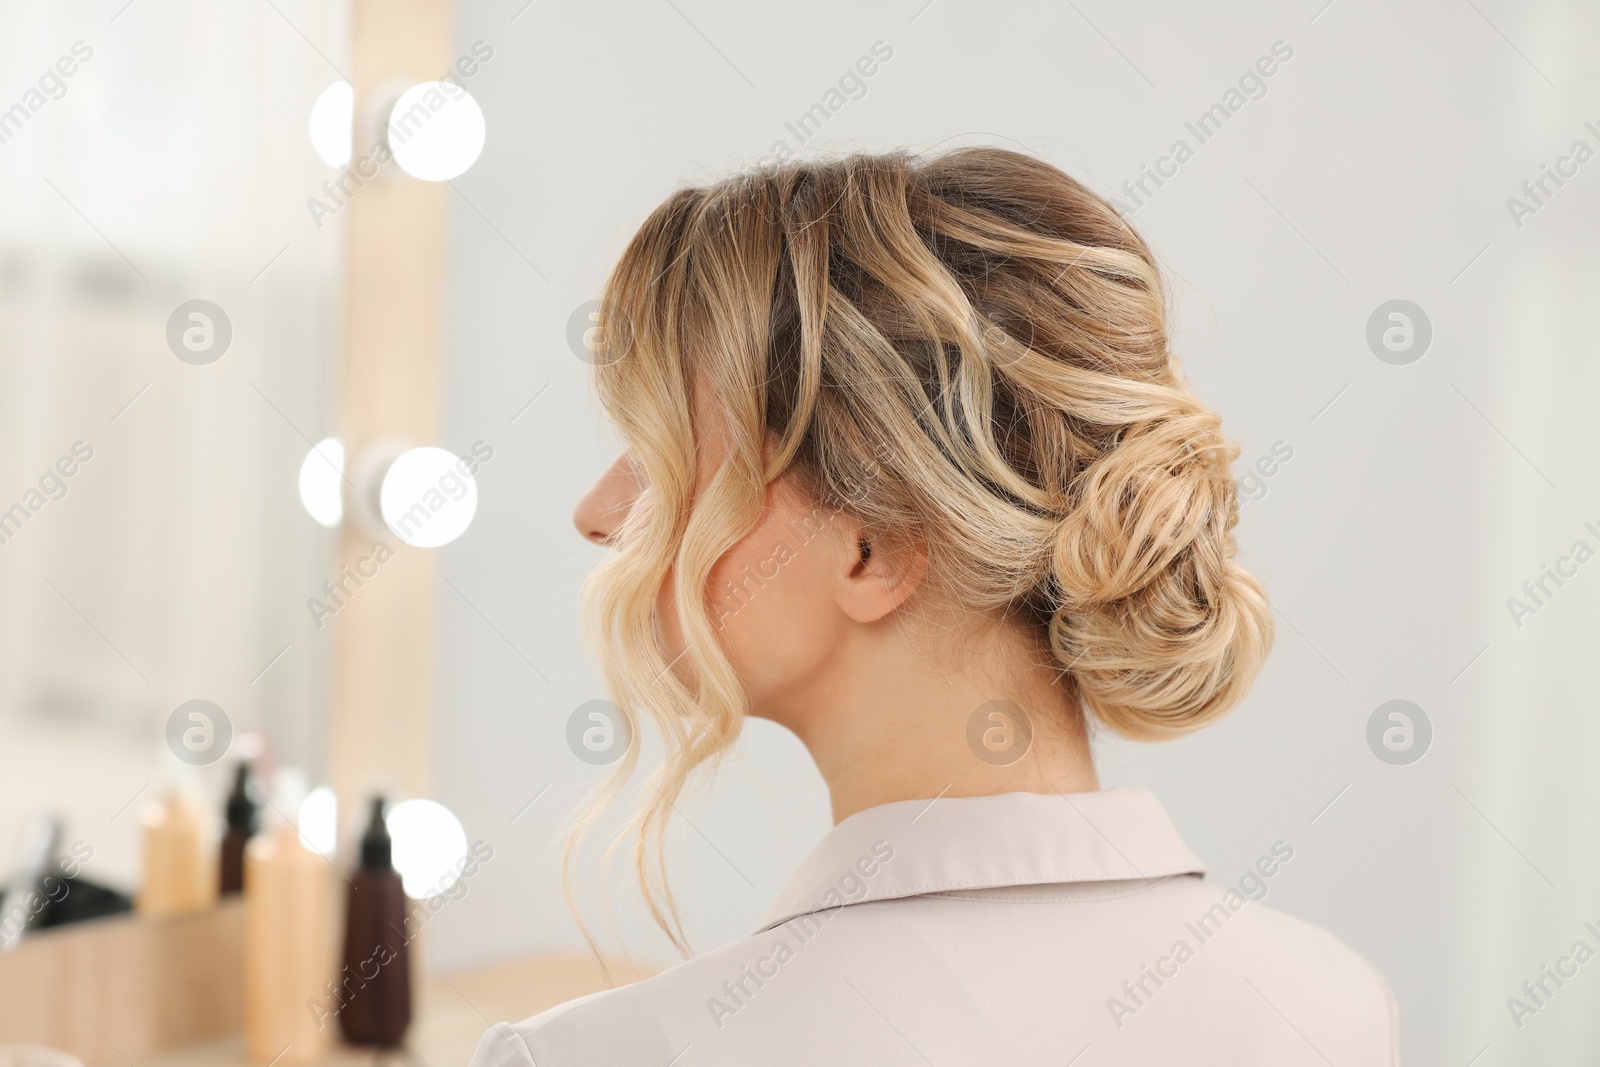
(875, 577)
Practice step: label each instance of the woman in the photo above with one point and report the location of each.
(912, 471)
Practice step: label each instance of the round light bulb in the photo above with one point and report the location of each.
(428, 497)
(321, 475)
(332, 117)
(319, 821)
(429, 847)
(436, 131)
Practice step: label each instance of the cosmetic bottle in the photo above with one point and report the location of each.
(377, 968)
(179, 876)
(32, 887)
(288, 945)
(241, 814)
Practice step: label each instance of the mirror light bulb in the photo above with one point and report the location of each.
(321, 475)
(319, 821)
(332, 117)
(436, 131)
(428, 497)
(429, 847)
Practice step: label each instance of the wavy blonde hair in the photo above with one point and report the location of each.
(969, 350)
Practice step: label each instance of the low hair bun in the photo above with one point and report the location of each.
(1161, 629)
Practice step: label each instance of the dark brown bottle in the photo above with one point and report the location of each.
(241, 827)
(375, 983)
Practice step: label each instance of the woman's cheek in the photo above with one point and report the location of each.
(769, 601)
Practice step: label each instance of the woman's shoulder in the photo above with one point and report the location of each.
(651, 1020)
(1299, 970)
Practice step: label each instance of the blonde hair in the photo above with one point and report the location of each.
(970, 350)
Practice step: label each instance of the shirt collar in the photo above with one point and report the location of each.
(914, 847)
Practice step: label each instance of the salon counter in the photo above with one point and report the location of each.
(453, 1012)
(132, 992)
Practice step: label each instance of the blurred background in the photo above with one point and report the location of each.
(259, 345)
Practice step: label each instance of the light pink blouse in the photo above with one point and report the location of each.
(1070, 929)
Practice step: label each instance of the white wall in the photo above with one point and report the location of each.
(1377, 166)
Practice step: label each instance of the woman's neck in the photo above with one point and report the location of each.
(892, 721)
